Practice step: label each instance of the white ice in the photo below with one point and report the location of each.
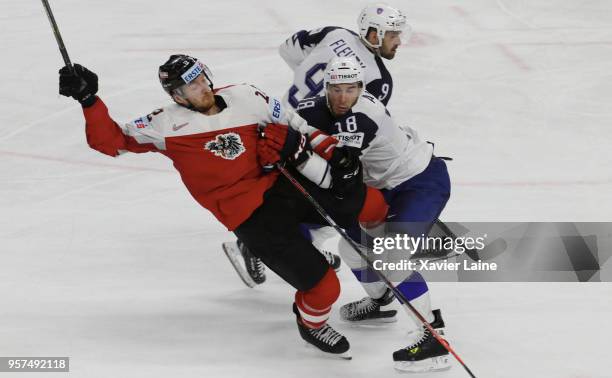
(110, 262)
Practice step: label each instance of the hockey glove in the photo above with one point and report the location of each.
(323, 144)
(282, 143)
(346, 170)
(80, 84)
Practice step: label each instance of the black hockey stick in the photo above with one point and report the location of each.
(490, 251)
(354, 245)
(58, 36)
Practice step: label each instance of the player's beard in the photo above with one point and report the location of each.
(205, 104)
(388, 53)
(388, 49)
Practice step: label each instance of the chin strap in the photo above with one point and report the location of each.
(369, 46)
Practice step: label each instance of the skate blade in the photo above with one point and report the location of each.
(233, 254)
(379, 322)
(439, 363)
(336, 356)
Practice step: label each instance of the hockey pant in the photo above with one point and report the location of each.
(272, 233)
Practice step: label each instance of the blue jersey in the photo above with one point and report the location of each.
(308, 52)
(390, 154)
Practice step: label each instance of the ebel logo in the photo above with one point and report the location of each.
(350, 139)
(193, 72)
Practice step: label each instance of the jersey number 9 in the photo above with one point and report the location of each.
(314, 87)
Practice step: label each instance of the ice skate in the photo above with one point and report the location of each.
(367, 311)
(249, 267)
(426, 353)
(324, 338)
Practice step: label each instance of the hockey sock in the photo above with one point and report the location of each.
(315, 304)
(416, 292)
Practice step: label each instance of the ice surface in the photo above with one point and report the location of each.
(110, 262)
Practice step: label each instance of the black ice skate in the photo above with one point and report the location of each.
(255, 267)
(367, 311)
(426, 353)
(333, 260)
(251, 269)
(325, 338)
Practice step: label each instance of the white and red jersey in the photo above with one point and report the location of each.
(215, 155)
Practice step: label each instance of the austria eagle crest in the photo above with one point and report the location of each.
(228, 146)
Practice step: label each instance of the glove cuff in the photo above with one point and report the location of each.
(88, 101)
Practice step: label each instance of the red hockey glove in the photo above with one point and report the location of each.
(323, 144)
(282, 143)
(266, 155)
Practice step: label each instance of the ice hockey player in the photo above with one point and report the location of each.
(414, 182)
(212, 137)
(381, 30)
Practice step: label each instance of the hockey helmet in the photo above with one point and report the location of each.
(343, 70)
(181, 69)
(382, 18)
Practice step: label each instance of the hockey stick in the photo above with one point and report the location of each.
(490, 251)
(354, 245)
(58, 36)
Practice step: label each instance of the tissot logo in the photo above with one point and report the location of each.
(344, 76)
(350, 139)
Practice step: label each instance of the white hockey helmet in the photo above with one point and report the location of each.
(382, 18)
(343, 70)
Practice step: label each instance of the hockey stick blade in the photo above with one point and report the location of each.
(233, 254)
(490, 251)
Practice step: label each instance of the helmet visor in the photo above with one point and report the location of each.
(396, 24)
